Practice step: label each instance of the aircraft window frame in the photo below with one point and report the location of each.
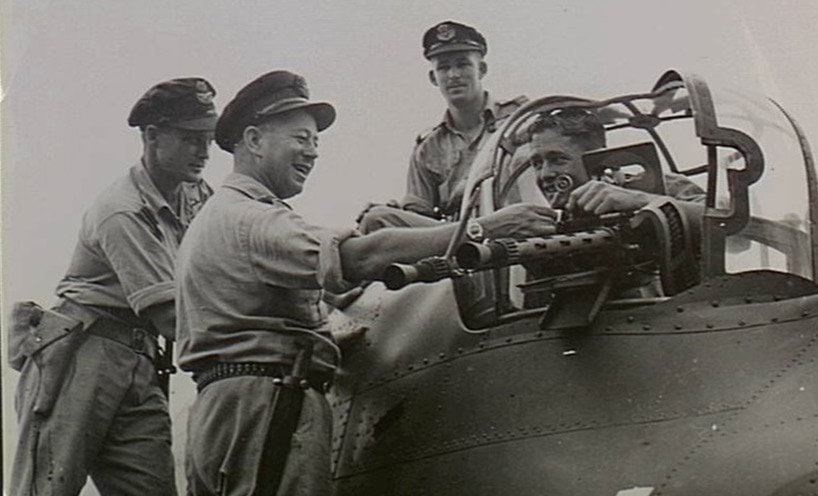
(689, 98)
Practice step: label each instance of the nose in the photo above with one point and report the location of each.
(547, 178)
(453, 72)
(546, 172)
(203, 150)
(310, 150)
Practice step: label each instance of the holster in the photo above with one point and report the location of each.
(164, 367)
(50, 340)
(125, 327)
(287, 402)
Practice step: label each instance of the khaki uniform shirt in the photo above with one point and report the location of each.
(680, 187)
(440, 162)
(127, 245)
(250, 275)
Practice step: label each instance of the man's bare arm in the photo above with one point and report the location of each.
(599, 198)
(366, 257)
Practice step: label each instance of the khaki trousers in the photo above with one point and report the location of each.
(110, 421)
(227, 431)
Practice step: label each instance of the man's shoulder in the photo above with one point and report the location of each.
(504, 108)
(427, 133)
(120, 196)
(682, 187)
(229, 203)
(431, 145)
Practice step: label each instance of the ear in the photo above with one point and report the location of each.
(484, 68)
(432, 77)
(252, 137)
(151, 133)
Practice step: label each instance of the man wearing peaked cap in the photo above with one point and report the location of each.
(270, 94)
(93, 401)
(450, 36)
(250, 277)
(442, 158)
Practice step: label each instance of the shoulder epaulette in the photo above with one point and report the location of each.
(507, 107)
(420, 138)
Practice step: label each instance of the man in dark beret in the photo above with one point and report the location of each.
(250, 276)
(89, 400)
(442, 158)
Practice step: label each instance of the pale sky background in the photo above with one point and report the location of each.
(71, 70)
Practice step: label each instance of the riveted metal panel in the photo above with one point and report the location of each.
(651, 396)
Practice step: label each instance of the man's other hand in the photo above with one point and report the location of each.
(520, 221)
(597, 197)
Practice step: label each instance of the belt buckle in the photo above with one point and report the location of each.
(138, 340)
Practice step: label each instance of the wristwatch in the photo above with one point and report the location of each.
(474, 231)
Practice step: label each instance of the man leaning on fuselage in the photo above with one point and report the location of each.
(442, 158)
(89, 401)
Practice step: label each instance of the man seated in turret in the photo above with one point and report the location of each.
(555, 149)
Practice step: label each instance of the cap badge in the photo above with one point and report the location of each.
(445, 32)
(204, 95)
(205, 98)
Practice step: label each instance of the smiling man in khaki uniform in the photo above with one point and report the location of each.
(250, 277)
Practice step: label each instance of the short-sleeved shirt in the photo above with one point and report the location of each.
(126, 252)
(440, 163)
(250, 276)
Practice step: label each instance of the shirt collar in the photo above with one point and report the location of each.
(147, 189)
(249, 187)
(489, 113)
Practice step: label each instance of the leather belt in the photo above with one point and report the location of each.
(139, 340)
(320, 381)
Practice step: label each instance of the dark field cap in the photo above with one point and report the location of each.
(185, 103)
(450, 36)
(268, 95)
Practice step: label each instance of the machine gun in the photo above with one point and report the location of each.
(573, 271)
(576, 234)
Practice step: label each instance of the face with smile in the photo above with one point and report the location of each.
(287, 147)
(459, 76)
(179, 155)
(554, 154)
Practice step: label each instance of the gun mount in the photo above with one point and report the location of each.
(573, 271)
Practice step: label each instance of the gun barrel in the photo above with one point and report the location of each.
(504, 252)
(432, 269)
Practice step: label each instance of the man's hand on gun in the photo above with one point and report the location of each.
(519, 221)
(599, 197)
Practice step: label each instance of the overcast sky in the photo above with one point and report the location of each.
(71, 70)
